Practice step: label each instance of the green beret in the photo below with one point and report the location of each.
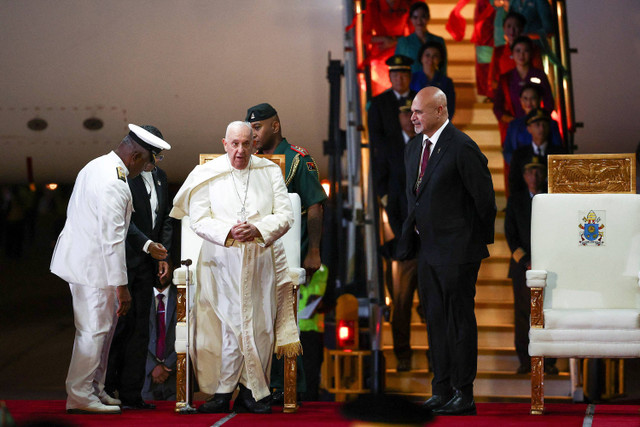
(260, 112)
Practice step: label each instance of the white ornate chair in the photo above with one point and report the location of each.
(190, 249)
(585, 260)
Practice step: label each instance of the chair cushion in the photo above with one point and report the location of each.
(591, 319)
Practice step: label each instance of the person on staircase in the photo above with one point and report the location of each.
(432, 55)
(390, 129)
(410, 45)
(538, 125)
(506, 105)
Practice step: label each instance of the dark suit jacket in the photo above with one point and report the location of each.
(454, 210)
(140, 229)
(170, 356)
(520, 158)
(387, 148)
(517, 228)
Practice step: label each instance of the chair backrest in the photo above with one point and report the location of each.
(592, 173)
(589, 244)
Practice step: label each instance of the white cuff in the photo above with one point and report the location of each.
(537, 274)
(145, 248)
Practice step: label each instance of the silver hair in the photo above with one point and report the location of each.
(239, 124)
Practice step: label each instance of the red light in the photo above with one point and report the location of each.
(346, 334)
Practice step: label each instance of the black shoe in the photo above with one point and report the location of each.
(137, 404)
(437, 401)
(277, 398)
(217, 403)
(458, 405)
(404, 364)
(551, 370)
(246, 403)
(523, 369)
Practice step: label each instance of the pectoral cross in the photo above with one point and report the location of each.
(242, 214)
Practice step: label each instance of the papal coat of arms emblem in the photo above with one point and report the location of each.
(591, 228)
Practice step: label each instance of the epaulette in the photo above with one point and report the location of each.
(300, 150)
(121, 175)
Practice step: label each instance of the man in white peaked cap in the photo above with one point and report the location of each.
(90, 255)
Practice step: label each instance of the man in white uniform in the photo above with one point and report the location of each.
(238, 203)
(90, 255)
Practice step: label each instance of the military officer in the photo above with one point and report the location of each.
(90, 256)
(301, 178)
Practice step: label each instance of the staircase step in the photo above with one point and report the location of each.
(489, 335)
(461, 50)
(440, 10)
(493, 269)
(438, 26)
(492, 360)
(469, 112)
(488, 289)
(487, 383)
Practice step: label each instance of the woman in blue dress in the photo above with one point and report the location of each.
(431, 55)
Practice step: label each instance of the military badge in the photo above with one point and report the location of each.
(312, 167)
(121, 175)
(591, 228)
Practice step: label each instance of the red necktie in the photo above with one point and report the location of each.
(160, 328)
(423, 162)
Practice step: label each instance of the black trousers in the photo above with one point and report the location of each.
(447, 293)
(128, 353)
(405, 281)
(312, 357)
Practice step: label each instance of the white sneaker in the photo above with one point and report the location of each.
(108, 400)
(95, 408)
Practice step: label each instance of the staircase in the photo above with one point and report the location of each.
(497, 360)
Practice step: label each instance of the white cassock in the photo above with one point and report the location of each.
(243, 304)
(90, 255)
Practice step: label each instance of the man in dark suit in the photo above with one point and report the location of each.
(147, 245)
(160, 372)
(539, 126)
(450, 222)
(388, 141)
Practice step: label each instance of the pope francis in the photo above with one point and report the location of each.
(238, 203)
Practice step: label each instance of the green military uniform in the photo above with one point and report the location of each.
(302, 178)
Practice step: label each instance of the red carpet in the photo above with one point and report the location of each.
(326, 414)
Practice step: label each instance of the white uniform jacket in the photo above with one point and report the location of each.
(91, 247)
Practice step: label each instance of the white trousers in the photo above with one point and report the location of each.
(232, 367)
(94, 311)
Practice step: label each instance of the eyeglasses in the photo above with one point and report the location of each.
(154, 158)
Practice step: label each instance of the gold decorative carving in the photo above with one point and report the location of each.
(290, 384)
(181, 378)
(537, 315)
(592, 173)
(537, 385)
(181, 307)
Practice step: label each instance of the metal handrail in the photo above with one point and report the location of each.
(562, 73)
